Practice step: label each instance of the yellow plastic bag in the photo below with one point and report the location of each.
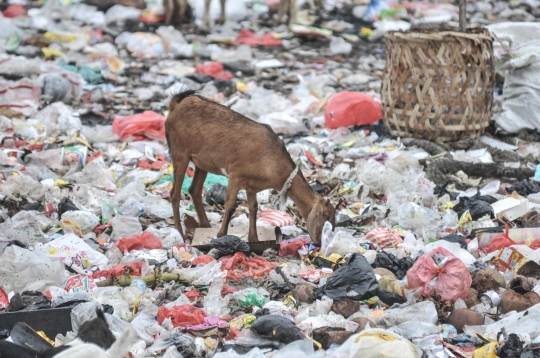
(377, 343)
(487, 351)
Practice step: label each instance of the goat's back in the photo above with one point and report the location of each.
(224, 142)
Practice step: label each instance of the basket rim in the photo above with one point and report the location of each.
(437, 35)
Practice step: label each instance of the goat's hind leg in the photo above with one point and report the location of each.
(195, 190)
(253, 207)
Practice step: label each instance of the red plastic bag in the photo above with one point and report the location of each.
(214, 69)
(440, 272)
(146, 125)
(246, 37)
(292, 247)
(193, 295)
(4, 300)
(500, 242)
(239, 266)
(535, 244)
(203, 259)
(146, 240)
(183, 315)
(347, 109)
(118, 270)
(14, 10)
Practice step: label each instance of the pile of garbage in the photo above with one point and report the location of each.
(435, 250)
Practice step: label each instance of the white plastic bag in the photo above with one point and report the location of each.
(22, 270)
(84, 220)
(125, 226)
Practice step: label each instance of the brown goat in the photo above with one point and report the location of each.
(175, 10)
(221, 141)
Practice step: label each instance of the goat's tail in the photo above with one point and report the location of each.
(178, 92)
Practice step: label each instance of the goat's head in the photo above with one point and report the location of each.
(321, 212)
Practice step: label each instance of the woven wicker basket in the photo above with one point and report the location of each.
(438, 85)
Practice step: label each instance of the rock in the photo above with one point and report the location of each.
(346, 308)
(472, 298)
(306, 292)
(487, 279)
(383, 272)
(465, 317)
(327, 336)
(362, 323)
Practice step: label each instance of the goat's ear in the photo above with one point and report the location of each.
(315, 222)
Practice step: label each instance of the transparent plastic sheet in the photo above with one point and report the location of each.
(204, 275)
(169, 236)
(125, 226)
(83, 220)
(23, 226)
(254, 353)
(18, 186)
(24, 270)
(424, 311)
(214, 304)
(182, 342)
(139, 324)
(375, 343)
(415, 329)
(155, 205)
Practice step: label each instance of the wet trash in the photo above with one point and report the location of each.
(230, 245)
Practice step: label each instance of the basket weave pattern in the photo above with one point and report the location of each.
(438, 85)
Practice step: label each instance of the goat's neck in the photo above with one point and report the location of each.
(303, 196)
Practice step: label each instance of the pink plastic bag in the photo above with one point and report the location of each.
(291, 247)
(500, 242)
(276, 218)
(347, 109)
(442, 273)
(146, 125)
(384, 238)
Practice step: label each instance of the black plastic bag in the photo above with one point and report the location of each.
(524, 188)
(477, 208)
(216, 194)
(399, 267)
(277, 328)
(512, 348)
(355, 280)
(28, 300)
(440, 190)
(65, 205)
(456, 238)
(389, 298)
(229, 245)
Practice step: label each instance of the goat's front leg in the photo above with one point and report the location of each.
(195, 190)
(180, 166)
(180, 11)
(169, 10)
(222, 17)
(292, 12)
(282, 8)
(253, 208)
(206, 18)
(230, 205)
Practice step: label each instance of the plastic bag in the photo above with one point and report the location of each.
(376, 343)
(146, 125)
(214, 69)
(19, 186)
(146, 45)
(214, 303)
(145, 240)
(250, 38)
(79, 220)
(22, 226)
(384, 238)
(125, 226)
(229, 245)
(399, 267)
(75, 254)
(424, 311)
(24, 270)
(346, 109)
(500, 241)
(249, 297)
(291, 247)
(339, 46)
(181, 316)
(440, 272)
(239, 266)
(182, 342)
(355, 280)
(277, 328)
